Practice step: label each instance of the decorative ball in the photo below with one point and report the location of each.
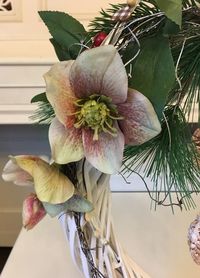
(196, 138)
(99, 38)
(194, 240)
(132, 3)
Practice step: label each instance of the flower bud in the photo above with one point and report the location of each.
(33, 211)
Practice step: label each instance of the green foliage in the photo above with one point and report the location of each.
(172, 9)
(169, 160)
(40, 97)
(44, 114)
(76, 204)
(188, 72)
(189, 3)
(104, 22)
(170, 28)
(67, 32)
(61, 52)
(154, 72)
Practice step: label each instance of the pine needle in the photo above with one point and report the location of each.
(44, 114)
(189, 75)
(169, 160)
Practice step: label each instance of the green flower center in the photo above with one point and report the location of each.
(97, 113)
(94, 113)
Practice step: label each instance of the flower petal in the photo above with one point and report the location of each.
(66, 144)
(33, 211)
(140, 122)
(100, 71)
(13, 173)
(106, 153)
(59, 92)
(50, 184)
(26, 162)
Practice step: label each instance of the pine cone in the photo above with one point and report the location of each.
(194, 240)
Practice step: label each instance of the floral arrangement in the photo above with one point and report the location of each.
(122, 98)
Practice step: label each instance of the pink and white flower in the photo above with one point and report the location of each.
(96, 113)
(49, 183)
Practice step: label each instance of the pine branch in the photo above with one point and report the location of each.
(44, 114)
(188, 72)
(105, 23)
(169, 160)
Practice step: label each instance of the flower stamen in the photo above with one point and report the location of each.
(97, 113)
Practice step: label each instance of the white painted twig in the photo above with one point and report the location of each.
(108, 256)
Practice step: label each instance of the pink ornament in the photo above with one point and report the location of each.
(194, 240)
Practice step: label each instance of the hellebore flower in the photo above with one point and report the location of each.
(96, 113)
(33, 211)
(50, 184)
(55, 193)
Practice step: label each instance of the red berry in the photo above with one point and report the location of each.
(98, 39)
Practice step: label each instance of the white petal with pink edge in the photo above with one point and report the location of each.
(100, 71)
(13, 173)
(66, 144)
(140, 122)
(106, 153)
(59, 92)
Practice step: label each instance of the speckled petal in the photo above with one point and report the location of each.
(140, 122)
(66, 144)
(100, 71)
(106, 153)
(59, 92)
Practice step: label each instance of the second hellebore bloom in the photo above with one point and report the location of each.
(96, 113)
(49, 183)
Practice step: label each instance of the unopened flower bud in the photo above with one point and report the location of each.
(33, 211)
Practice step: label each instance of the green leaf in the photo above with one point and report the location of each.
(75, 203)
(154, 72)
(170, 28)
(61, 52)
(40, 97)
(172, 9)
(65, 30)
